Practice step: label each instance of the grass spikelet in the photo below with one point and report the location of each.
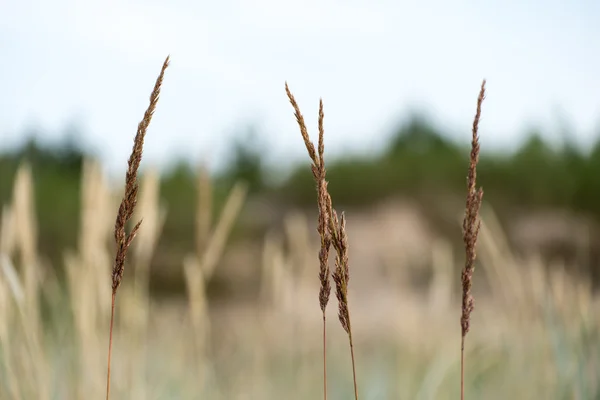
(332, 232)
(471, 226)
(127, 207)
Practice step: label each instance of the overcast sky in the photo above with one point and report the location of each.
(94, 63)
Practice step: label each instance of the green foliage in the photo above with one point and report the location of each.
(178, 191)
(420, 162)
(246, 160)
(56, 173)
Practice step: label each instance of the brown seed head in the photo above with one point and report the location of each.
(129, 200)
(471, 222)
(323, 199)
(321, 138)
(332, 232)
(303, 131)
(341, 274)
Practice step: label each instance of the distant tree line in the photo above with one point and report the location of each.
(419, 162)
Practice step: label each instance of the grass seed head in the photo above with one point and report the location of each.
(471, 222)
(129, 200)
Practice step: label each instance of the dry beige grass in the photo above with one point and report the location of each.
(511, 342)
(88, 279)
(200, 267)
(545, 318)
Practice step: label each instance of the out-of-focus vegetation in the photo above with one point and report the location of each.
(419, 163)
(535, 331)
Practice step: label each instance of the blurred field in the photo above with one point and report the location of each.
(246, 323)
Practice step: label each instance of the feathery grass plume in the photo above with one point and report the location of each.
(7, 231)
(218, 239)
(341, 277)
(136, 311)
(471, 226)
(276, 284)
(96, 228)
(200, 267)
(297, 232)
(26, 240)
(26, 236)
(127, 207)
(8, 286)
(332, 232)
(88, 270)
(154, 213)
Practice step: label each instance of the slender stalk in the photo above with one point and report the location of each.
(110, 336)
(127, 208)
(324, 220)
(353, 362)
(462, 368)
(324, 356)
(341, 277)
(332, 232)
(471, 226)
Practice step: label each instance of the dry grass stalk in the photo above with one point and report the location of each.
(267, 287)
(127, 207)
(341, 277)
(218, 239)
(298, 238)
(81, 280)
(272, 281)
(200, 267)
(526, 283)
(154, 217)
(332, 232)
(7, 244)
(204, 213)
(26, 240)
(7, 231)
(441, 289)
(97, 202)
(8, 281)
(471, 226)
(136, 311)
(198, 309)
(277, 286)
(88, 272)
(26, 236)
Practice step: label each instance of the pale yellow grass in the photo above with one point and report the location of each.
(533, 333)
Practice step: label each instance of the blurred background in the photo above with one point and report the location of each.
(220, 294)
